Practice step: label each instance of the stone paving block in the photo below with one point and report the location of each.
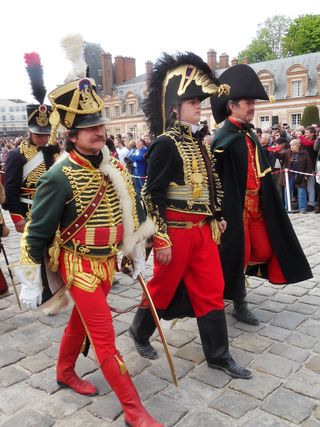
(131, 293)
(55, 335)
(107, 408)
(191, 393)
(212, 377)
(125, 344)
(85, 365)
(52, 351)
(11, 375)
(311, 422)
(64, 403)
(120, 327)
(165, 410)
(317, 412)
(33, 347)
(262, 419)
(301, 308)
(10, 356)
(266, 291)
(254, 298)
(288, 320)
(148, 385)
(233, 332)
(305, 382)
(264, 315)
(37, 363)
(259, 386)
(283, 298)
(82, 418)
(295, 290)
(29, 418)
(4, 304)
(18, 396)
(289, 405)
(233, 403)
(274, 333)
(314, 364)
(252, 343)
(202, 419)
(160, 368)
(178, 339)
(60, 319)
(310, 299)
(316, 315)
(6, 326)
(6, 314)
(274, 306)
(316, 349)
(45, 380)
(192, 352)
(301, 340)
(290, 352)
(275, 365)
(248, 328)
(136, 364)
(25, 318)
(311, 327)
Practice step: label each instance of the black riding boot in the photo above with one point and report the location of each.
(143, 326)
(243, 314)
(214, 338)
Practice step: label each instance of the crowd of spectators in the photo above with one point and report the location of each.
(298, 151)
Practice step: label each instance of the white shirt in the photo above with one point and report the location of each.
(122, 153)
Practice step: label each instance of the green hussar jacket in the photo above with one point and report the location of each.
(64, 191)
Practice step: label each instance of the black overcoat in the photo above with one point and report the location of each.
(230, 149)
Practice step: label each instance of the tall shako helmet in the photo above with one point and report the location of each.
(75, 104)
(244, 84)
(37, 114)
(175, 78)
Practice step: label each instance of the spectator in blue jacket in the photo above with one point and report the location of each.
(138, 160)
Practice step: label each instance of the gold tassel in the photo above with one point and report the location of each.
(76, 243)
(54, 252)
(216, 234)
(122, 366)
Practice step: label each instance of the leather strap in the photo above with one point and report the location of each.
(85, 215)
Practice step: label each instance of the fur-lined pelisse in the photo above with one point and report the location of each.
(164, 90)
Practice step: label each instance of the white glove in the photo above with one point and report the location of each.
(138, 259)
(31, 285)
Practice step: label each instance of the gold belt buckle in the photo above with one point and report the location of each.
(189, 224)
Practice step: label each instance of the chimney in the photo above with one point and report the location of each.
(212, 59)
(245, 60)
(129, 68)
(234, 61)
(149, 67)
(107, 75)
(119, 69)
(224, 61)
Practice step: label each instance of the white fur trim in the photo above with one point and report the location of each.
(146, 229)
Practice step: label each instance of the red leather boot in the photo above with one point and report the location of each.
(135, 415)
(66, 377)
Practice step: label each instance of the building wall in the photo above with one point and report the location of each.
(13, 117)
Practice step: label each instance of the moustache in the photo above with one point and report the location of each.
(99, 138)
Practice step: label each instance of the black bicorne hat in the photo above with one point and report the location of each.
(244, 84)
(38, 114)
(174, 79)
(76, 105)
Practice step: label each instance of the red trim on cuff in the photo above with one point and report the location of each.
(16, 217)
(161, 243)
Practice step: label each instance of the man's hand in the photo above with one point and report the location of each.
(20, 225)
(222, 225)
(138, 260)
(164, 256)
(31, 284)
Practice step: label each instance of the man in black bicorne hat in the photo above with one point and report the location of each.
(183, 196)
(259, 239)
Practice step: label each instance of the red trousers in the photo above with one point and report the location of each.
(195, 259)
(257, 245)
(91, 314)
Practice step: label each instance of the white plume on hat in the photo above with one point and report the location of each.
(73, 44)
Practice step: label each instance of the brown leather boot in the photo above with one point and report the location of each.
(66, 377)
(135, 415)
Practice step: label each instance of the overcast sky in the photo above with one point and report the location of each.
(141, 29)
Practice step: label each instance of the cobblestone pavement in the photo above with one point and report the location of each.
(283, 352)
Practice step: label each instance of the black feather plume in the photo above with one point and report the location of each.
(35, 72)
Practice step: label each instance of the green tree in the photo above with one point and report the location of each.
(267, 44)
(310, 115)
(303, 36)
